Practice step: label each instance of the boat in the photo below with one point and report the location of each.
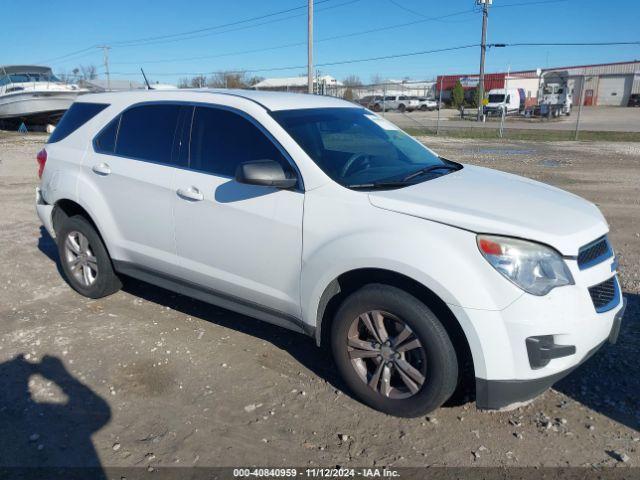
(34, 95)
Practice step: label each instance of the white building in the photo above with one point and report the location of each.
(324, 85)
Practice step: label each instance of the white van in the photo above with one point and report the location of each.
(497, 102)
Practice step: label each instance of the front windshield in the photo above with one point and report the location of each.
(354, 146)
(496, 98)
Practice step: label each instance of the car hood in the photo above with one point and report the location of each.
(489, 201)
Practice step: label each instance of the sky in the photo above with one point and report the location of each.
(65, 34)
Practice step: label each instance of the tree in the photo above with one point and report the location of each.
(89, 72)
(376, 79)
(457, 95)
(352, 83)
(199, 81)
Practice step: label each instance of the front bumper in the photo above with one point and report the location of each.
(496, 394)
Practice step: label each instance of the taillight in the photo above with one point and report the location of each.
(42, 160)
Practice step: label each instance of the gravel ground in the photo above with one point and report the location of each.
(148, 378)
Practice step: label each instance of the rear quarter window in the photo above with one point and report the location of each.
(78, 114)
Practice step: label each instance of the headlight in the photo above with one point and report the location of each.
(534, 268)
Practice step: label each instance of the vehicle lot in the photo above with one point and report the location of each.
(601, 119)
(148, 377)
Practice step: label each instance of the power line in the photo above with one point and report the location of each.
(147, 40)
(423, 19)
(563, 44)
(325, 64)
(199, 33)
(298, 44)
(67, 55)
(394, 56)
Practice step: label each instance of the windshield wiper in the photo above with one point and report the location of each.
(374, 185)
(430, 168)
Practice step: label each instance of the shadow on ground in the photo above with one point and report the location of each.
(47, 418)
(609, 382)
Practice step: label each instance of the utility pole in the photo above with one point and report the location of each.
(310, 48)
(584, 79)
(483, 50)
(105, 51)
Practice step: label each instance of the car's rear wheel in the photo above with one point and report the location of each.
(393, 352)
(402, 107)
(85, 261)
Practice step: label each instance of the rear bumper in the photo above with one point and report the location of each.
(496, 394)
(44, 211)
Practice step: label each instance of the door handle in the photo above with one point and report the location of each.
(191, 193)
(102, 169)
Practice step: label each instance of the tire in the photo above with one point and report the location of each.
(423, 108)
(77, 239)
(402, 107)
(377, 108)
(434, 358)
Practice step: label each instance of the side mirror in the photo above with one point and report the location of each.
(267, 173)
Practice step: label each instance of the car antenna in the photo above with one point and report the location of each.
(145, 80)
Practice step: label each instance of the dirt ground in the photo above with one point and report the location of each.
(147, 377)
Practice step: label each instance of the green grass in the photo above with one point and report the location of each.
(528, 134)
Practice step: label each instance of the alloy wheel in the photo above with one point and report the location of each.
(80, 259)
(386, 354)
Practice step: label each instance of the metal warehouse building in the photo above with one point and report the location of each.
(600, 84)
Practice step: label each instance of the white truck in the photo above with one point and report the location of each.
(555, 96)
(498, 103)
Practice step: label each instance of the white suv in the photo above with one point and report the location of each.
(322, 217)
(402, 103)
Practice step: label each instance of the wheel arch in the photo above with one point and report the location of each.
(348, 282)
(65, 208)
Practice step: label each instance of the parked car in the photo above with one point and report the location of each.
(369, 101)
(425, 104)
(322, 217)
(402, 103)
(634, 100)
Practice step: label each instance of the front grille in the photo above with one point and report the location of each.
(604, 295)
(594, 253)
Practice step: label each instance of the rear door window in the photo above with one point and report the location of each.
(78, 114)
(221, 140)
(147, 132)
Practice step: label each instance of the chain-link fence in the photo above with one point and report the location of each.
(423, 108)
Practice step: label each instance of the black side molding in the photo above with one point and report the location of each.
(214, 297)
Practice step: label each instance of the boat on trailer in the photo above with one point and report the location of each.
(34, 95)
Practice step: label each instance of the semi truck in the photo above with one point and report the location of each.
(555, 96)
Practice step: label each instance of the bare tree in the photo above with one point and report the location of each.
(232, 80)
(220, 80)
(352, 84)
(89, 72)
(376, 79)
(198, 81)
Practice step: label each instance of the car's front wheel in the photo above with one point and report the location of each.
(84, 258)
(393, 352)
